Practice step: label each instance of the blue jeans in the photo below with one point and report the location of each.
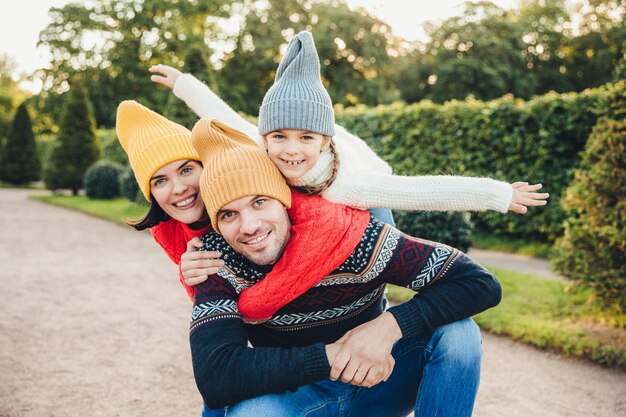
(435, 375)
(384, 215)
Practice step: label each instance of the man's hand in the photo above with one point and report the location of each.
(364, 357)
(526, 195)
(168, 77)
(197, 265)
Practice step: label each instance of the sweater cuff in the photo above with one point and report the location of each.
(316, 366)
(409, 319)
(503, 194)
(184, 85)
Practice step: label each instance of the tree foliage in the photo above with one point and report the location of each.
(488, 51)
(10, 95)
(113, 43)
(77, 148)
(355, 65)
(592, 250)
(196, 63)
(19, 161)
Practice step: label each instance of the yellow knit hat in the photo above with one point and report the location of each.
(234, 167)
(151, 141)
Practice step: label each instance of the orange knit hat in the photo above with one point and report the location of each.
(234, 167)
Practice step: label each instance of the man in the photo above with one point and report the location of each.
(331, 350)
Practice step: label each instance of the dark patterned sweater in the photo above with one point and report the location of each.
(289, 348)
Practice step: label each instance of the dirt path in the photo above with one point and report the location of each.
(94, 323)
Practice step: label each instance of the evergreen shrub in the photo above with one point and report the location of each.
(102, 180)
(19, 160)
(77, 148)
(451, 228)
(592, 251)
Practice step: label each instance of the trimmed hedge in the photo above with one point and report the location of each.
(507, 139)
(454, 229)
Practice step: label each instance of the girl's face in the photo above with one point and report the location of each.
(295, 152)
(176, 188)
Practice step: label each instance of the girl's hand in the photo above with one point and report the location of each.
(526, 195)
(196, 265)
(168, 77)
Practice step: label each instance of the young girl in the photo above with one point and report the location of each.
(296, 127)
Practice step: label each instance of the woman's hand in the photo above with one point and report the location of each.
(196, 265)
(168, 76)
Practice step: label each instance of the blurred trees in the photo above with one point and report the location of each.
(486, 52)
(356, 67)
(19, 161)
(10, 95)
(113, 42)
(76, 147)
(196, 63)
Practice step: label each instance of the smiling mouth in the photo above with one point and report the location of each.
(257, 239)
(189, 201)
(293, 163)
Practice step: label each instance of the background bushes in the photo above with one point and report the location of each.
(102, 180)
(451, 228)
(507, 139)
(593, 249)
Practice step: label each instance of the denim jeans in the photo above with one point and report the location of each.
(435, 375)
(384, 215)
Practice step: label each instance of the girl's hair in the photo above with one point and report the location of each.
(154, 216)
(334, 169)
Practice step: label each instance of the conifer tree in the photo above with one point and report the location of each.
(197, 65)
(19, 161)
(76, 147)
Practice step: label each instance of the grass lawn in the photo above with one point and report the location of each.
(544, 313)
(519, 246)
(550, 315)
(118, 210)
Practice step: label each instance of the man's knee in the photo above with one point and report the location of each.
(263, 406)
(459, 343)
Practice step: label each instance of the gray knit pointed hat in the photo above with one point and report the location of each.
(298, 100)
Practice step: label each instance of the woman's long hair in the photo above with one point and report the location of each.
(154, 216)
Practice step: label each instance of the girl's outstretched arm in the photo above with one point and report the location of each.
(363, 189)
(201, 99)
(206, 103)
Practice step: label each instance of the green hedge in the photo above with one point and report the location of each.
(507, 139)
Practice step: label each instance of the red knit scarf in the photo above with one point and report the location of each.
(323, 236)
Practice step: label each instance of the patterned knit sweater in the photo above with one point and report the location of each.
(289, 349)
(364, 180)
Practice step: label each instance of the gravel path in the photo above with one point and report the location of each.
(94, 323)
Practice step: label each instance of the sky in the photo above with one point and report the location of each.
(21, 22)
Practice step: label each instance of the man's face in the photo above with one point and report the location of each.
(255, 226)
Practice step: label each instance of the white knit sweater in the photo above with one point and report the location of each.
(364, 180)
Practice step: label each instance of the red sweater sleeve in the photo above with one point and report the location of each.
(323, 236)
(170, 235)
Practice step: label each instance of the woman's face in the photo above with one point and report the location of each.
(176, 188)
